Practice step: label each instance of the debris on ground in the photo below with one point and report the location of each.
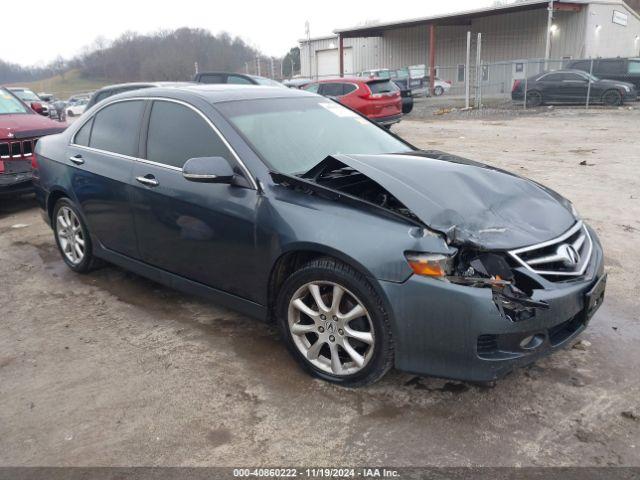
(20, 225)
(582, 345)
(444, 111)
(628, 228)
(584, 163)
(631, 415)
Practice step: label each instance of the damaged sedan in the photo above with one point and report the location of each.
(366, 251)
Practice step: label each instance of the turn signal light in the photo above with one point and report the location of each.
(429, 265)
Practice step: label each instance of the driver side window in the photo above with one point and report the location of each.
(177, 133)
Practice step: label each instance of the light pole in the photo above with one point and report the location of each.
(547, 52)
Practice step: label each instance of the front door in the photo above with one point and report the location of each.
(200, 231)
(101, 157)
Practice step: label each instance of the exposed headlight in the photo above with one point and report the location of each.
(430, 264)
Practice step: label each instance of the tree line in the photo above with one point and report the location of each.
(167, 55)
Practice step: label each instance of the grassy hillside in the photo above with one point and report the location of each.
(63, 88)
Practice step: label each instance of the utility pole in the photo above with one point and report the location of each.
(273, 70)
(195, 65)
(467, 71)
(307, 31)
(547, 51)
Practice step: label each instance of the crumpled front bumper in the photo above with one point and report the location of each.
(448, 330)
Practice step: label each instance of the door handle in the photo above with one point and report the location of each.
(148, 180)
(77, 159)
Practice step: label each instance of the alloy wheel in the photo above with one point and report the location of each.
(331, 327)
(70, 235)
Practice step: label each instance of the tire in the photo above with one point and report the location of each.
(70, 113)
(86, 262)
(438, 91)
(325, 337)
(534, 99)
(612, 98)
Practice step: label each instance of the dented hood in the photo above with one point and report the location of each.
(469, 202)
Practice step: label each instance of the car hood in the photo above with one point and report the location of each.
(26, 125)
(469, 202)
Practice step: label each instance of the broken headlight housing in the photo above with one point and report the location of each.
(479, 269)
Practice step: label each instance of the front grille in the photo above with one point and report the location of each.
(565, 256)
(18, 149)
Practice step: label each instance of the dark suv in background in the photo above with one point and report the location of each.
(622, 69)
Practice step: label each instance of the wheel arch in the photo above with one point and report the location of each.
(297, 255)
(55, 194)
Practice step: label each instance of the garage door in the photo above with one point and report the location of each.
(327, 64)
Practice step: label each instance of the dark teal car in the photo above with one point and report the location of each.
(289, 207)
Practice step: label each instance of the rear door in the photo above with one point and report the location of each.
(574, 87)
(551, 86)
(101, 158)
(200, 231)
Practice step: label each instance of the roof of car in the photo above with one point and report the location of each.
(146, 85)
(215, 93)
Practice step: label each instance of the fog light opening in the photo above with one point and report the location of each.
(532, 341)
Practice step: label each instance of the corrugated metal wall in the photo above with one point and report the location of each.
(506, 37)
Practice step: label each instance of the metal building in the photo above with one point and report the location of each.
(510, 33)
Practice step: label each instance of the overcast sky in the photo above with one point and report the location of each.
(273, 26)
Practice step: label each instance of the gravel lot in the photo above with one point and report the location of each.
(111, 369)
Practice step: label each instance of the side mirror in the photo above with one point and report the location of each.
(37, 107)
(208, 170)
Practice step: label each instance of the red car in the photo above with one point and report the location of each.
(376, 98)
(20, 128)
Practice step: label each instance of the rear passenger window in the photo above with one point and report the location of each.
(610, 66)
(82, 136)
(349, 87)
(214, 78)
(177, 133)
(583, 65)
(116, 128)
(332, 89)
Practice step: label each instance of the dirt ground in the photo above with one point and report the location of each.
(111, 369)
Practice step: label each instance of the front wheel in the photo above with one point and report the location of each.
(438, 91)
(69, 113)
(334, 324)
(612, 98)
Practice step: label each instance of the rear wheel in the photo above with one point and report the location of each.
(72, 237)
(612, 98)
(334, 324)
(69, 113)
(438, 91)
(534, 98)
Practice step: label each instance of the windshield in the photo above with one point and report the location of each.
(27, 96)
(292, 135)
(10, 104)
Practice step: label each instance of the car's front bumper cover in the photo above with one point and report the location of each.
(453, 331)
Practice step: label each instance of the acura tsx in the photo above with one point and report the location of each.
(287, 206)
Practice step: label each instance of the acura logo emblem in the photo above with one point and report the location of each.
(569, 256)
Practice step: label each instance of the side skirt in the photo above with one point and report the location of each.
(185, 285)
